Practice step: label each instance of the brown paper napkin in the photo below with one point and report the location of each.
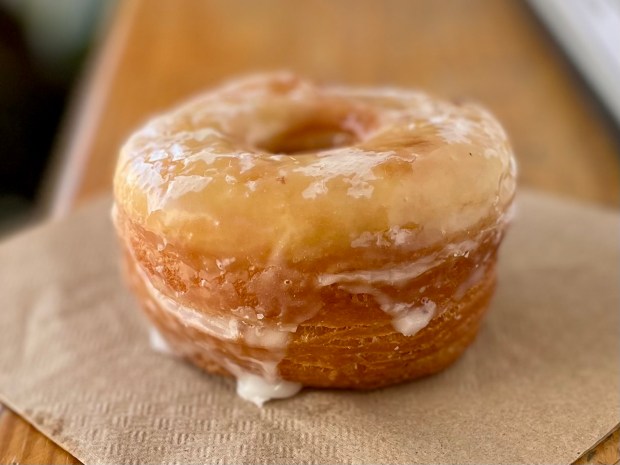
(540, 384)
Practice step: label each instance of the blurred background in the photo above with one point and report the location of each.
(76, 76)
(43, 46)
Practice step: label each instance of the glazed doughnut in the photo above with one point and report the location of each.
(290, 234)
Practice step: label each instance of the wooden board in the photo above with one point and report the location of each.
(156, 52)
(21, 443)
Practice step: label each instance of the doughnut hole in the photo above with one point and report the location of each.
(314, 137)
(311, 130)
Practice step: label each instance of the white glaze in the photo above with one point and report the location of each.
(394, 236)
(474, 278)
(246, 162)
(407, 317)
(399, 236)
(258, 390)
(411, 319)
(456, 131)
(368, 239)
(157, 341)
(221, 328)
(392, 275)
(395, 275)
(250, 386)
(272, 338)
(224, 262)
(229, 328)
(177, 188)
(353, 165)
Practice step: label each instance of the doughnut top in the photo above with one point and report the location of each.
(275, 166)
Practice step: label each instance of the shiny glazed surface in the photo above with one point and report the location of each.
(321, 235)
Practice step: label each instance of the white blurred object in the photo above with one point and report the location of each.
(589, 31)
(158, 343)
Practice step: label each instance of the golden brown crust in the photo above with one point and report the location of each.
(333, 353)
(349, 342)
(362, 257)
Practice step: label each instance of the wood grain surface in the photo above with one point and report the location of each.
(21, 443)
(156, 52)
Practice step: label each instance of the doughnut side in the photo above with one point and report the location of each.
(358, 356)
(364, 356)
(318, 324)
